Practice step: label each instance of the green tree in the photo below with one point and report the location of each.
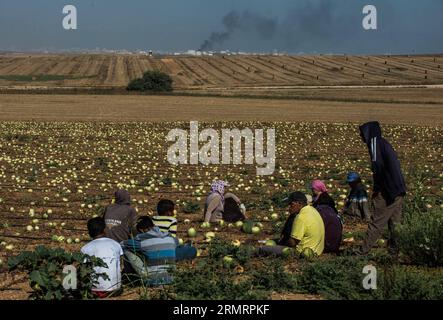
(152, 81)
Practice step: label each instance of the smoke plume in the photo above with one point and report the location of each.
(246, 21)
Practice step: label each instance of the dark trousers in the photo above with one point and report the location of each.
(383, 215)
(271, 250)
(185, 252)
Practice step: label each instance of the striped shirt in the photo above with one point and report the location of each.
(166, 224)
(152, 255)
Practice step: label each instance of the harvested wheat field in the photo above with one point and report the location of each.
(229, 71)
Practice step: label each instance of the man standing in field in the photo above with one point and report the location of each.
(389, 187)
(120, 217)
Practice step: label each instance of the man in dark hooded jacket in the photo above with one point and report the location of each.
(389, 187)
(120, 217)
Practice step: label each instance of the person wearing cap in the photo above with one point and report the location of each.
(389, 188)
(222, 205)
(357, 204)
(303, 229)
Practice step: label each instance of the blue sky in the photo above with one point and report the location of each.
(309, 26)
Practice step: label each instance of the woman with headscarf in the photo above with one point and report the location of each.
(320, 195)
(325, 205)
(221, 205)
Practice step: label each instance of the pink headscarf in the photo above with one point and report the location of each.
(319, 186)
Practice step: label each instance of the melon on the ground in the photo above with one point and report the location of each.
(308, 254)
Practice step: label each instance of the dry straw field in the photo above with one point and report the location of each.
(214, 72)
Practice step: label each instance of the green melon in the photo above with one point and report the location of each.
(308, 254)
(247, 227)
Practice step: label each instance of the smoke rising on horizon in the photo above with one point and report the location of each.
(245, 21)
(308, 20)
(323, 26)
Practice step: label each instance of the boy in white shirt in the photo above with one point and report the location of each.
(110, 252)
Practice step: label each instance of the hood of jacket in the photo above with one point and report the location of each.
(155, 232)
(370, 130)
(122, 197)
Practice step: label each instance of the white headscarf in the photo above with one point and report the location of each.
(219, 187)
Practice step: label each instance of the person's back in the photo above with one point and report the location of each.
(232, 211)
(152, 254)
(166, 224)
(213, 207)
(333, 228)
(308, 227)
(325, 199)
(120, 217)
(357, 203)
(387, 175)
(110, 252)
(164, 218)
(215, 210)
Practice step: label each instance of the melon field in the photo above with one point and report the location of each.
(55, 175)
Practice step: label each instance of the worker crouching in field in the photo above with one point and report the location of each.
(152, 253)
(389, 188)
(166, 222)
(221, 205)
(110, 252)
(165, 219)
(304, 228)
(120, 217)
(325, 205)
(357, 204)
(321, 195)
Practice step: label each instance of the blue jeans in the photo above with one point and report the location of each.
(185, 252)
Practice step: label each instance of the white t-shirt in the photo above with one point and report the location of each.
(110, 252)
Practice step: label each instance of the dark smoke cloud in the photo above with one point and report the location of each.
(245, 21)
(309, 25)
(307, 20)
